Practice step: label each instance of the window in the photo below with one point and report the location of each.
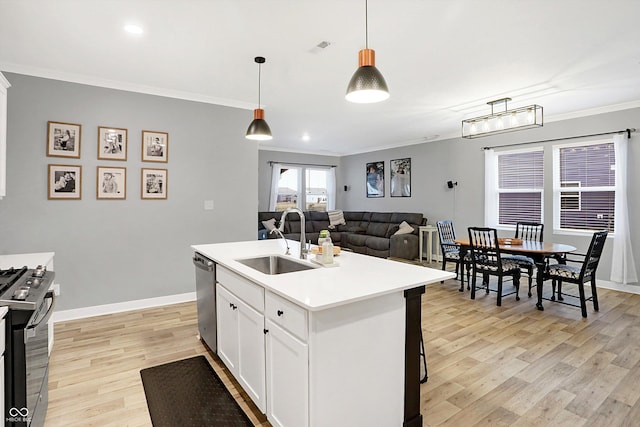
(289, 186)
(308, 188)
(316, 183)
(515, 187)
(584, 186)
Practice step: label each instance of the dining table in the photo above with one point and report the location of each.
(540, 252)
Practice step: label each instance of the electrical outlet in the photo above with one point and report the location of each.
(56, 289)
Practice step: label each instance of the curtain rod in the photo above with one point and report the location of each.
(628, 131)
(271, 162)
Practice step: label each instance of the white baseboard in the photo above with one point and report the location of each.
(632, 289)
(99, 310)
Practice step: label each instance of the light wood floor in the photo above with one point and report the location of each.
(488, 365)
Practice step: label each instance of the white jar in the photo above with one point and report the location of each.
(327, 252)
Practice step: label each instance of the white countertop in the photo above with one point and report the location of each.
(358, 277)
(31, 260)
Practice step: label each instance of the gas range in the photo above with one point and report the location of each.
(24, 288)
(26, 360)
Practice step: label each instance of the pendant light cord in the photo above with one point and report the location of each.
(259, 69)
(366, 24)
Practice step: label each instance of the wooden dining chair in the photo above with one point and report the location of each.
(527, 231)
(487, 260)
(451, 251)
(579, 275)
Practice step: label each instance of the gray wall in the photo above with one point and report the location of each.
(462, 160)
(264, 170)
(110, 251)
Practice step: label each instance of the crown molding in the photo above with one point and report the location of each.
(120, 85)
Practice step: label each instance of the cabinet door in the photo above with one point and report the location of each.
(227, 314)
(251, 354)
(287, 378)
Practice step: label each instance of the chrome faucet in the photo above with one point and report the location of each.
(277, 231)
(303, 248)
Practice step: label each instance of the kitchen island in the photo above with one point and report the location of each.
(324, 346)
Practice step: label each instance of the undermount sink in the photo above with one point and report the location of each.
(274, 264)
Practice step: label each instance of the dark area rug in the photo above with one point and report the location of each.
(189, 393)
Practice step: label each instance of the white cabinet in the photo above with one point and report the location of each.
(313, 368)
(4, 85)
(287, 378)
(287, 362)
(241, 335)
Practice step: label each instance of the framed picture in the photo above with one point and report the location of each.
(112, 143)
(375, 179)
(63, 140)
(65, 182)
(400, 177)
(155, 146)
(111, 183)
(154, 183)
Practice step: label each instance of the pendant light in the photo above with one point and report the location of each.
(367, 84)
(259, 129)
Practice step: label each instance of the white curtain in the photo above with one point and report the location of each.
(276, 169)
(623, 267)
(331, 189)
(490, 188)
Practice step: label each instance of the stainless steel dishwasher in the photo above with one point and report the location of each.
(206, 299)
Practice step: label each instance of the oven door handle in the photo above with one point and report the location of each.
(49, 295)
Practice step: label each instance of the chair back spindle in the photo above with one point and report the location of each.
(592, 258)
(529, 231)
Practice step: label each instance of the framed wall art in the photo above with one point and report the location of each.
(63, 139)
(112, 143)
(400, 177)
(154, 183)
(111, 183)
(375, 179)
(155, 146)
(65, 182)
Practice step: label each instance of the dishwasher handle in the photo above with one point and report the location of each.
(203, 263)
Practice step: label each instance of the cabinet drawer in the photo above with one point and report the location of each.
(248, 292)
(286, 314)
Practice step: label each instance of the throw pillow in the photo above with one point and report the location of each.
(336, 218)
(404, 228)
(269, 224)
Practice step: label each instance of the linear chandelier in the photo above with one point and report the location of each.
(521, 118)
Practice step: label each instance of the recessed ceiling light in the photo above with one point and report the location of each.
(306, 137)
(133, 29)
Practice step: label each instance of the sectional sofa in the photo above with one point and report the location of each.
(370, 233)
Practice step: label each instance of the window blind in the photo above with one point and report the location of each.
(587, 187)
(520, 186)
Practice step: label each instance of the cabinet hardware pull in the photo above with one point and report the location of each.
(266, 331)
(232, 305)
(280, 312)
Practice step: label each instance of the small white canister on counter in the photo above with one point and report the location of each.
(327, 252)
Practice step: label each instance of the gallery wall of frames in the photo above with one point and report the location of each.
(65, 180)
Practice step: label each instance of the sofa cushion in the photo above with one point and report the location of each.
(404, 228)
(378, 224)
(414, 219)
(377, 243)
(269, 224)
(336, 218)
(377, 229)
(265, 216)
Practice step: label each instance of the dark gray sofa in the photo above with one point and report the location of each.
(370, 233)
